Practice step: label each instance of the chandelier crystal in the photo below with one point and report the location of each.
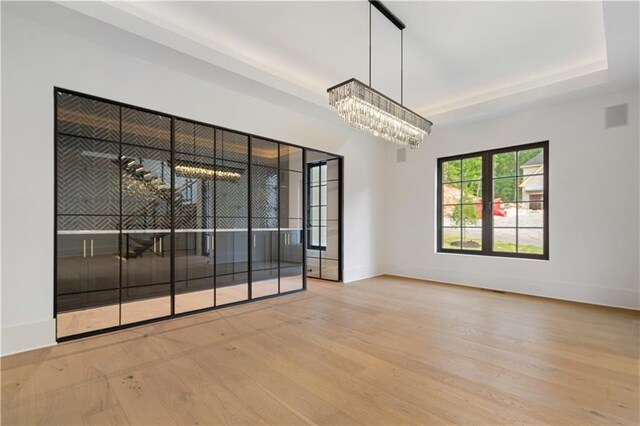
(364, 108)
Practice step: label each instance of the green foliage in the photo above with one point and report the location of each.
(506, 168)
(452, 171)
(466, 214)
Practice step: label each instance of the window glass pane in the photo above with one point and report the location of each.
(315, 196)
(314, 216)
(530, 215)
(504, 240)
(451, 215)
(530, 187)
(531, 162)
(504, 215)
(264, 152)
(333, 169)
(504, 164)
(315, 236)
(452, 171)
(232, 146)
(471, 215)
(530, 241)
(472, 168)
(232, 287)
(504, 189)
(290, 158)
(323, 173)
(146, 129)
(451, 193)
(451, 238)
(472, 191)
(315, 175)
(472, 238)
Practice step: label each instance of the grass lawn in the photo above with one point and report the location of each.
(501, 246)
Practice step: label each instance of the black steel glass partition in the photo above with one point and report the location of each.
(159, 216)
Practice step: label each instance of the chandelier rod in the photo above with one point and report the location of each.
(401, 67)
(398, 23)
(369, 43)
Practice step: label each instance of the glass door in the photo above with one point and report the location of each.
(264, 212)
(87, 215)
(232, 217)
(291, 218)
(324, 206)
(146, 216)
(195, 172)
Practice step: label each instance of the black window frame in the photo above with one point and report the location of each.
(487, 202)
(310, 167)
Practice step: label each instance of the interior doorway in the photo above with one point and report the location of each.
(324, 215)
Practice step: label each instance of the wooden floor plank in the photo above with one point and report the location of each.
(380, 351)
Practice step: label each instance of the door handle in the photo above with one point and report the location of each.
(84, 248)
(160, 244)
(154, 244)
(254, 240)
(91, 248)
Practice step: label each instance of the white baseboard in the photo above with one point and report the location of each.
(562, 290)
(361, 273)
(24, 337)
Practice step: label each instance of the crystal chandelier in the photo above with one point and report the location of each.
(365, 108)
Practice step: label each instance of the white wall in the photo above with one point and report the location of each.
(593, 205)
(594, 201)
(80, 54)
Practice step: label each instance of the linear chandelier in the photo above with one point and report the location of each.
(225, 173)
(365, 108)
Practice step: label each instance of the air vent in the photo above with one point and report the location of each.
(617, 115)
(401, 155)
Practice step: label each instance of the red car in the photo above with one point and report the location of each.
(497, 207)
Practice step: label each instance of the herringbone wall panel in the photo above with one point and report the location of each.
(232, 146)
(88, 177)
(264, 192)
(88, 223)
(146, 129)
(88, 118)
(232, 196)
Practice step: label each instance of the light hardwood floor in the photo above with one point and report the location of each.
(380, 351)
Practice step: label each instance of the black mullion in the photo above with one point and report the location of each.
(120, 239)
(439, 206)
(304, 218)
(214, 240)
(545, 200)
(320, 216)
(279, 219)
(249, 224)
(172, 232)
(55, 208)
(517, 199)
(487, 192)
